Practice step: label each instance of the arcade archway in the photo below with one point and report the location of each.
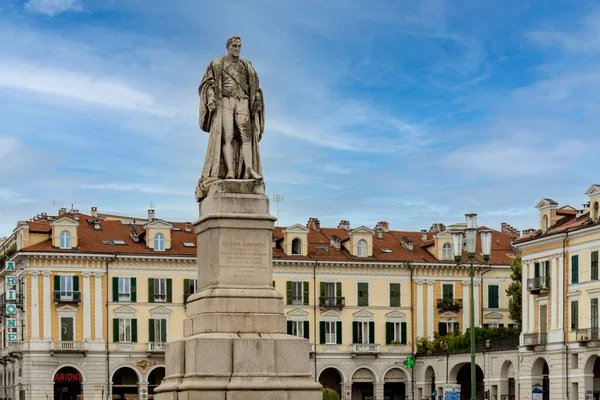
(463, 378)
(125, 384)
(154, 379)
(540, 378)
(394, 387)
(67, 384)
(592, 376)
(332, 379)
(362, 384)
(507, 381)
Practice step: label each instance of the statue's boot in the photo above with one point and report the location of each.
(247, 154)
(227, 157)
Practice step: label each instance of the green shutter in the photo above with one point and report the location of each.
(273, 283)
(306, 293)
(322, 289)
(537, 269)
(493, 296)
(288, 291)
(371, 332)
(442, 329)
(338, 289)
(169, 290)
(134, 330)
(456, 327)
(575, 269)
(186, 286)
(354, 331)
(448, 292)
(338, 331)
(402, 332)
(163, 330)
(133, 290)
(363, 294)
(306, 329)
(388, 332)
(151, 330)
(290, 325)
(394, 295)
(322, 332)
(56, 283)
(76, 284)
(547, 265)
(115, 288)
(115, 330)
(150, 290)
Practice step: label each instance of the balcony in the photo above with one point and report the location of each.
(157, 347)
(67, 346)
(444, 305)
(588, 334)
(535, 339)
(62, 296)
(371, 348)
(538, 284)
(332, 301)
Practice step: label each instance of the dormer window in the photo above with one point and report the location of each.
(65, 240)
(596, 214)
(159, 242)
(361, 250)
(447, 251)
(297, 247)
(545, 223)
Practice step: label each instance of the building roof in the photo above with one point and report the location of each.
(566, 223)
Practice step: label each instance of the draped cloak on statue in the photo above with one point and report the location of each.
(212, 122)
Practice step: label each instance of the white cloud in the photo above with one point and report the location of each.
(585, 40)
(101, 90)
(7, 145)
(123, 187)
(53, 7)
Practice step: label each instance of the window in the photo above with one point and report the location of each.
(124, 289)
(574, 315)
(65, 240)
(395, 295)
(493, 325)
(297, 293)
(331, 294)
(66, 329)
(594, 316)
(395, 333)
(447, 252)
(596, 211)
(544, 318)
(362, 332)
(331, 331)
(493, 296)
(188, 244)
(160, 290)
(125, 331)
(594, 274)
(445, 327)
(545, 223)
(362, 294)
(447, 292)
(298, 328)
(158, 330)
(361, 248)
(189, 287)
(66, 287)
(297, 247)
(575, 269)
(159, 242)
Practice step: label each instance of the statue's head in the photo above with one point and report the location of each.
(234, 45)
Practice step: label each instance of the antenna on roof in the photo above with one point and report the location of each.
(152, 204)
(278, 198)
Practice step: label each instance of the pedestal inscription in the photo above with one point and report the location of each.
(243, 260)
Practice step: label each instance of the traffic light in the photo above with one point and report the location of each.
(486, 395)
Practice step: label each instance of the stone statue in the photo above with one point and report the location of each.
(232, 112)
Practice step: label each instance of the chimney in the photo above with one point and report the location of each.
(344, 225)
(188, 227)
(62, 211)
(151, 215)
(379, 232)
(44, 216)
(133, 234)
(384, 225)
(437, 227)
(95, 212)
(407, 243)
(335, 242)
(314, 224)
(423, 235)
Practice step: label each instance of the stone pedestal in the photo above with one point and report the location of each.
(235, 345)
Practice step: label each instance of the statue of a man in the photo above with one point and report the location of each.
(232, 111)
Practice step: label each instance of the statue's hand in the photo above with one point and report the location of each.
(257, 105)
(211, 106)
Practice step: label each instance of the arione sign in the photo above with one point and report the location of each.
(10, 280)
(10, 266)
(68, 377)
(11, 309)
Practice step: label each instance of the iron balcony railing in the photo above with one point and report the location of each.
(587, 334)
(371, 348)
(534, 339)
(446, 304)
(63, 296)
(538, 283)
(332, 301)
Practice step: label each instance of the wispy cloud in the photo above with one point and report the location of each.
(586, 39)
(53, 7)
(125, 187)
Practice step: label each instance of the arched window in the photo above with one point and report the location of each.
(159, 242)
(362, 248)
(447, 251)
(596, 215)
(545, 223)
(297, 247)
(65, 240)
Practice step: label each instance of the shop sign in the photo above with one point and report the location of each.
(68, 377)
(10, 266)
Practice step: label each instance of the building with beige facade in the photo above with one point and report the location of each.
(93, 298)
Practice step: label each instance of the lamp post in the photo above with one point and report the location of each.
(471, 241)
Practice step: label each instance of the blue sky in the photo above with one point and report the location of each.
(405, 111)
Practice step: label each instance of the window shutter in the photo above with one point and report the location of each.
(537, 269)
(151, 330)
(133, 290)
(456, 327)
(493, 296)
(134, 330)
(388, 332)
(288, 291)
(363, 294)
(186, 290)
(448, 292)
(306, 293)
(289, 327)
(76, 283)
(322, 332)
(442, 329)
(150, 290)
(547, 266)
(402, 332)
(306, 329)
(354, 331)
(56, 283)
(338, 289)
(394, 295)
(575, 269)
(115, 330)
(273, 283)
(322, 289)
(169, 290)
(371, 332)
(115, 282)
(338, 331)
(163, 330)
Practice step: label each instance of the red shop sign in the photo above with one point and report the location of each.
(68, 377)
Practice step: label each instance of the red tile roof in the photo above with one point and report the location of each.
(564, 224)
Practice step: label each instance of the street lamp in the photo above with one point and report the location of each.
(471, 242)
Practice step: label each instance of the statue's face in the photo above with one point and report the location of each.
(234, 47)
